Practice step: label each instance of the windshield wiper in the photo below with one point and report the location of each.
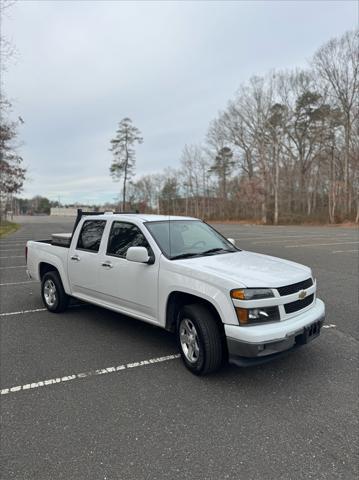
(215, 250)
(200, 254)
(185, 255)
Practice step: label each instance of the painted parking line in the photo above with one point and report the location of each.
(17, 283)
(12, 249)
(14, 256)
(21, 312)
(12, 244)
(344, 251)
(318, 244)
(284, 239)
(17, 240)
(14, 240)
(17, 266)
(90, 373)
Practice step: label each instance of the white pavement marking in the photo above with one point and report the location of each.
(266, 237)
(91, 373)
(18, 240)
(318, 244)
(314, 238)
(344, 251)
(8, 244)
(17, 283)
(14, 256)
(7, 314)
(20, 312)
(11, 249)
(17, 266)
(330, 325)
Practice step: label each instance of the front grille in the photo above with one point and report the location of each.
(295, 287)
(298, 304)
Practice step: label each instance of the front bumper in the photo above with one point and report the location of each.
(286, 336)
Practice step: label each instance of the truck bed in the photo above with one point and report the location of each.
(58, 240)
(61, 239)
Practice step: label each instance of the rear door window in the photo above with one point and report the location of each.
(90, 235)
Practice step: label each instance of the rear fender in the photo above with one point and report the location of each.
(54, 261)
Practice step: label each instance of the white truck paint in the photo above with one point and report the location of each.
(145, 290)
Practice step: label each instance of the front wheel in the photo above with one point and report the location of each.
(199, 339)
(53, 293)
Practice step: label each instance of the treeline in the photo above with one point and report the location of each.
(285, 149)
(37, 205)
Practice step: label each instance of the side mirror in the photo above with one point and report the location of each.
(138, 254)
(232, 240)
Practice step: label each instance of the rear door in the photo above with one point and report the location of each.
(84, 259)
(130, 286)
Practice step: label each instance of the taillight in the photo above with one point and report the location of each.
(26, 253)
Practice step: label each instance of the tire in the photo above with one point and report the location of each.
(199, 339)
(53, 294)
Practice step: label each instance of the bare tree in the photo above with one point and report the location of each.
(195, 176)
(12, 173)
(337, 63)
(275, 134)
(250, 112)
(170, 195)
(124, 154)
(7, 48)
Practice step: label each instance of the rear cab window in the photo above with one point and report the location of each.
(91, 235)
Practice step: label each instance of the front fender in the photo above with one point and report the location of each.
(177, 282)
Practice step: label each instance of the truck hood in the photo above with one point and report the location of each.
(247, 269)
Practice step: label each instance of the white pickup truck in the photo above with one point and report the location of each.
(179, 273)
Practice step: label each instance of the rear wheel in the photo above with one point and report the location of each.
(53, 294)
(199, 339)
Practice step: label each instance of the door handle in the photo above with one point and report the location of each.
(107, 264)
(76, 258)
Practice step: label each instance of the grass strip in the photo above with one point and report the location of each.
(8, 227)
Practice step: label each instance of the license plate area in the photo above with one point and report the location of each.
(309, 333)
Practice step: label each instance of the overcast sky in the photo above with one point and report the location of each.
(171, 66)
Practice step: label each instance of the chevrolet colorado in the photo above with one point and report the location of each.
(179, 273)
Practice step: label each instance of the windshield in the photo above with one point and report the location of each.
(188, 238)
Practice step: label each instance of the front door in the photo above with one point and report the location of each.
(129, 286)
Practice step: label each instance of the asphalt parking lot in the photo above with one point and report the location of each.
(107, 397)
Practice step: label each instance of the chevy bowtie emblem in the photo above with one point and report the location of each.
(302, 294)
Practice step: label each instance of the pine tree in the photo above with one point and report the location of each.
(124, 155)
(222, 167)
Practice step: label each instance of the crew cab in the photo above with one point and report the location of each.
(179, 273)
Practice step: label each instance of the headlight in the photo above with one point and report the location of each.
(251, 293)
(249, 316)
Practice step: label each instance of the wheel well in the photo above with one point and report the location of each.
(46, 267)
(177, 300)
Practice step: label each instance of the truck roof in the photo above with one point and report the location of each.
(142, 217)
